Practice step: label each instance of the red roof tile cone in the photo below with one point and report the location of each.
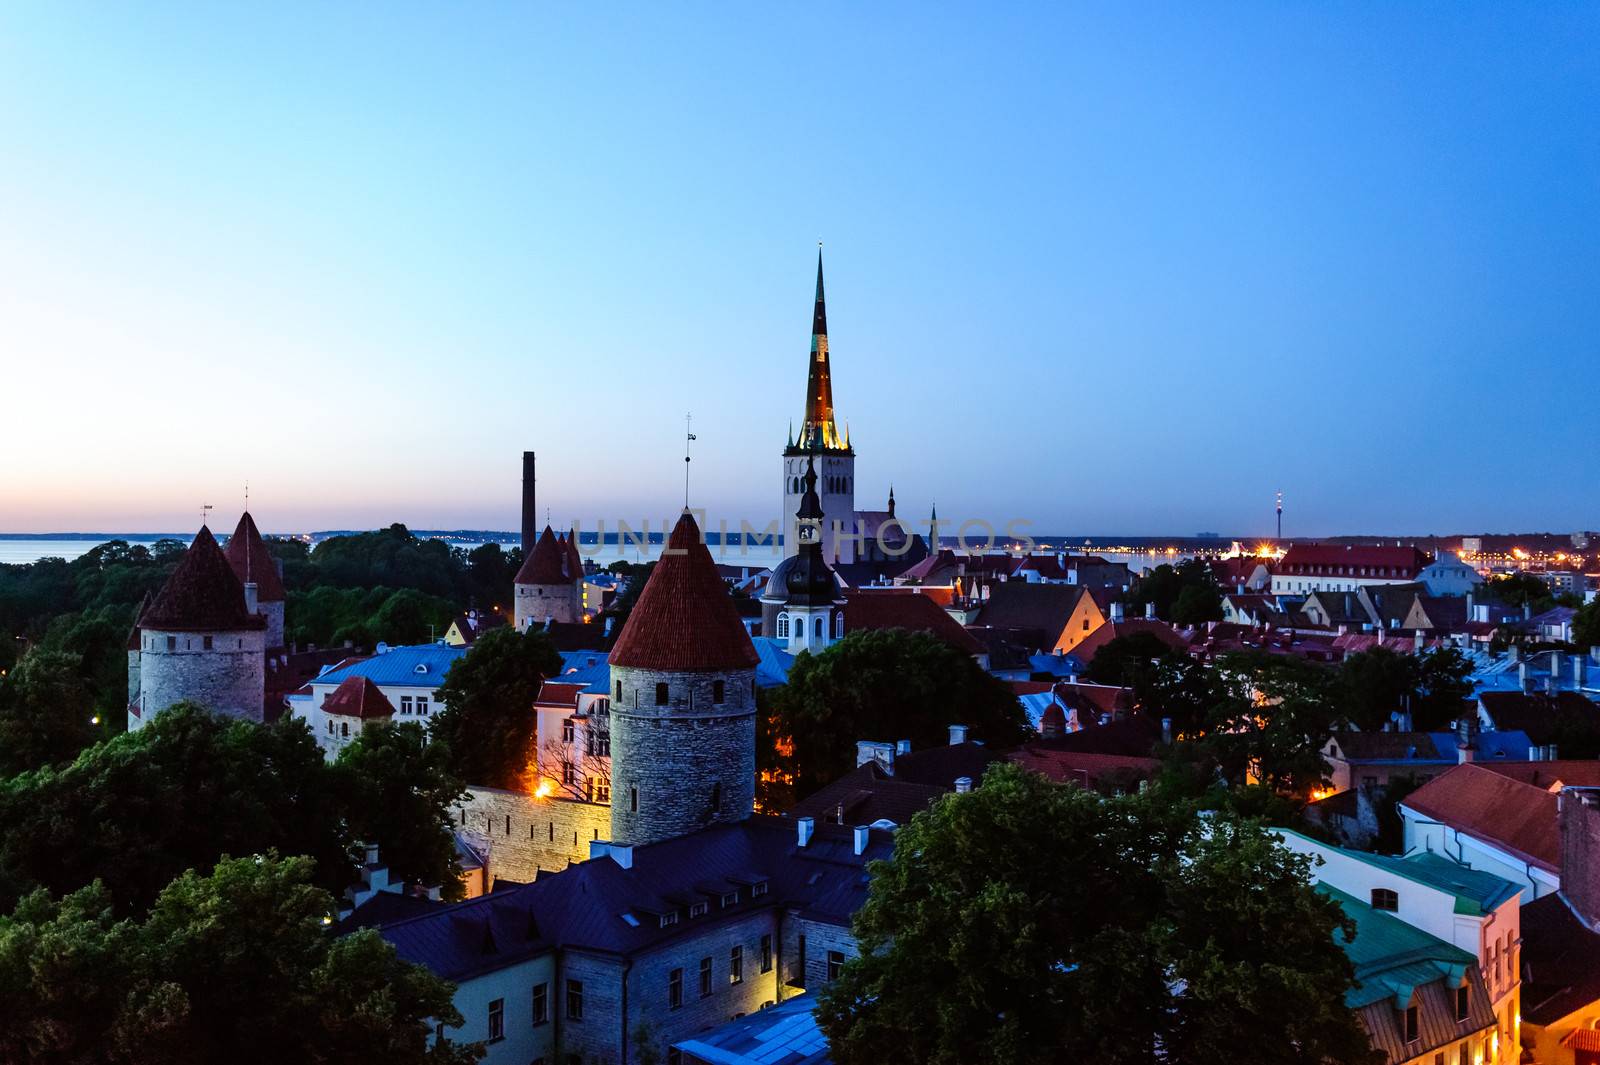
(202, 595)
(251, 561)
(685, 620)
(546, 563)
(358, 697)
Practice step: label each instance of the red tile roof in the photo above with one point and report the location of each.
(685, 619)
(1339, 560)
(885, 608)
(1091, 644)
(202, 595)
(251, 561)
(558, 693)
(1517, 817)
(547, 563)
(358, 697)
(1081, 767)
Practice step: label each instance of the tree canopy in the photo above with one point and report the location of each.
(487, 728)
(138, 810)
(233, 965)
(884, 684)
(1029, 923)
(1185, 593)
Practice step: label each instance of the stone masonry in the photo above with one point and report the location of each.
(679, 766)
(222, 671)
(527, 835)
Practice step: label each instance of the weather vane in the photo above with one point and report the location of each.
(688, 437)
(205, 509)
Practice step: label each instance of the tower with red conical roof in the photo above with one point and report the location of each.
(546, 588)
(200, 642)
(258, 572)
(683, 702)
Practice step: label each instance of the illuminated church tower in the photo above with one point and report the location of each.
(819, 441)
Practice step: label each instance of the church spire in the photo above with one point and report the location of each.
(819, 431)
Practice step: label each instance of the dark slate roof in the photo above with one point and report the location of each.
(386, 907)
(202, 595)
(251, 561)
(1020, 605)
(1135, 735)
(547, 563)
(358, 697)
(867, 794)
(1545, 718)
(583, 906)
(868, 609)
(684, 619)
(1560, 961)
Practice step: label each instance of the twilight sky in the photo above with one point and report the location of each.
(1112, 268)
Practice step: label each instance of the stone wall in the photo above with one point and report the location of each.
(1580, 852)
(650, 978)
(680, 766)
(820, 937)
(227, 677)
(273, 612)
(545, 602)
(525, 834)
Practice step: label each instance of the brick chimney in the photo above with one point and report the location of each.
(1578, 812)
(530, 512)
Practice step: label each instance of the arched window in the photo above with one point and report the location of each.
(838, 626)
(821, 626)
(718, 691)
(661, 694)
(1385, 899)
(783, 626)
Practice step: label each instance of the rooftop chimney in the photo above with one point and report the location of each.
(804, 827)
(902, 747)
(1578, 814)
(1579, 671)
(1524, 682)
(862, 834)
(1150, 610)
(873, 751)
(1116, 612)
(963, 785)
(530, 513)
(958, 735)
(622, 854)
(250, 602)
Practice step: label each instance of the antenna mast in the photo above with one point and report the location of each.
(688, 438)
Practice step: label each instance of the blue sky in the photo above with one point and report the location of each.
(1119, 268)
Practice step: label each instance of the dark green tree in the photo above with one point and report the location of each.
(885, 684)
(1272, 718)
(1373, 685)
(1197, 604)
(1165, 585)
(1132, 932)
(236, 965)
(47, 712)
(1443, 689)
(487, 727)
(1586, 625)
(399, 790)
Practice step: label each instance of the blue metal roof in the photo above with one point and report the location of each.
(1056, 665)
(419, 666)
(589, 668)
(785, 1034)
(773, 668)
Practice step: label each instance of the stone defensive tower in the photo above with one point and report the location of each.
(199, 640)
(258, 572)
(683, 702)
(546, 587)
(819, 443)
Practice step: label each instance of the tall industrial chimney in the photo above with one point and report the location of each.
(530, 512)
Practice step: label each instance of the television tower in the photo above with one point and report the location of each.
(1280, 514)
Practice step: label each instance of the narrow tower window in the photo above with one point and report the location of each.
(661, 694)
(718, 691)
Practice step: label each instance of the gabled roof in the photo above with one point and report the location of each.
(1516, 817)
(418, 666)
(251, 561)
(867, 609)
(1561, 958)
(202, 595)
(684, 619)
(558, 693)
(1386, 952)
(1020, 605)
(1545, 718)
(867, 794)
(547, 563)
(1476, 892)
(583, 906)
(1090, 645)
(358, 697)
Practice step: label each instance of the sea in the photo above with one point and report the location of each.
(1140, 553)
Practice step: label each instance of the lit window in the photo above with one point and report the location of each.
(736, 965)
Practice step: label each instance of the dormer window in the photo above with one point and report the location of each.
(1463, 1002)
(1413, 1024)
(1385, 899)
(420, 667)
(669, 918)
(758, 889)
(698, 909)
(729, 898)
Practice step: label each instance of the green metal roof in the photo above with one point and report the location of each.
(1390, 957)
(1476, 892)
